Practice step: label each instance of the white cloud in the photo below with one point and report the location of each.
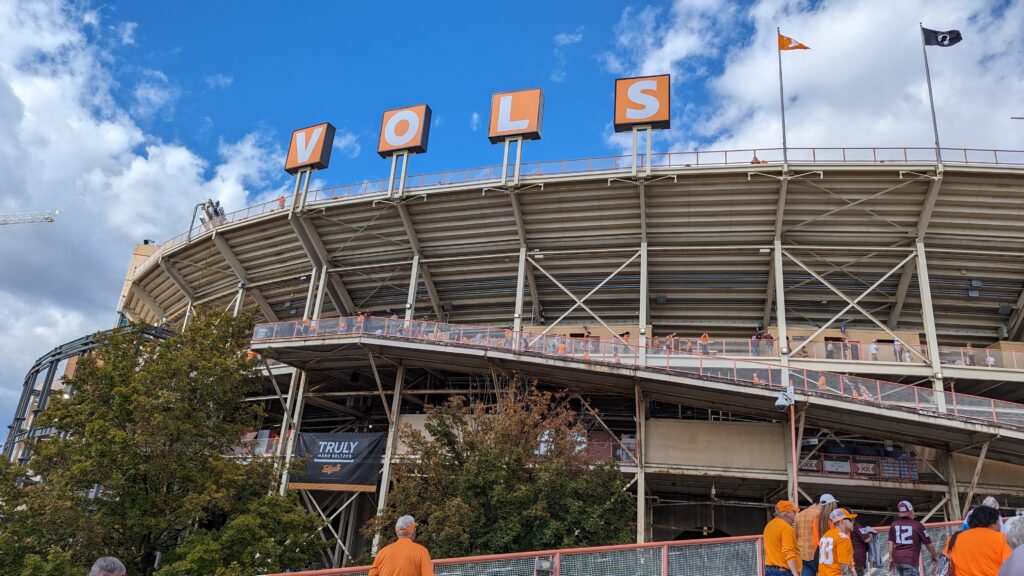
(562, 40)
(126, 31)
(566, 38)
(218, 81)
(861, 84)
(474, 121)
(347, 143)
(154, 94)
(65, 142)
(91, 18)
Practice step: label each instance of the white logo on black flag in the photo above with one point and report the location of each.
(939, 38)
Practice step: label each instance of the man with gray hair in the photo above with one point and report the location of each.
(1014, 529)
(404, 557)
(108, 566)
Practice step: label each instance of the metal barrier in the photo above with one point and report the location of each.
(618, 353)
(735, 556)
(858, 156)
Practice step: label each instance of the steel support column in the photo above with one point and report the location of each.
(517, 317)
(293, 433)
(641, 477)
(414, 282)
(780, 309)
(977, 474)
(389, 451)
(929, 328)
(954, 495)
(644, 304)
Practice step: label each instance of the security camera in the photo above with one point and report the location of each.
(785, 400)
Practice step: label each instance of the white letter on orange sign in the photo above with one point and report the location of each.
(648, 101)
(505, 121)
(303, 149)
(391, 137)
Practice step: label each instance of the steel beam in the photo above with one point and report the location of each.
(531, 280)
(310, 240)
(954, 496)
(148, 301)
(410, 231)
(977, 474)
(389, 452)
(923, 220)
(644, 304)
(517, 317)
(929, 327)
(175, 277)
(1015, 323)
(236, 266)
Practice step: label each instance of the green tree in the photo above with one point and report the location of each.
(506, 478)
(140, 468)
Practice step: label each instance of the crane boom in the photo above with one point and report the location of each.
(28, 217)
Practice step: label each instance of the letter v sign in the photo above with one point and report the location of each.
(310, 148)
(303, 149)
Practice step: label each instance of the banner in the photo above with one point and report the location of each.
(346, 462)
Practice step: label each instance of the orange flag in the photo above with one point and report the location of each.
(787, 43)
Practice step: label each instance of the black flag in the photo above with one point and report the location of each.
(937, 38)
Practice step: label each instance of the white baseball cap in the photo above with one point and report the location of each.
(827, 499)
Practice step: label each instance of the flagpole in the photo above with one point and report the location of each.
(782, 99)
(931, 100)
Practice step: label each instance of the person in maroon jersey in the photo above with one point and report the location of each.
(906, 535)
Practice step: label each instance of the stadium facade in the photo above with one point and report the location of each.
(890, 284)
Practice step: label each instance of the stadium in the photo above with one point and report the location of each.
(885, 287)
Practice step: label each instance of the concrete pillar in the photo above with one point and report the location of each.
(389, 451)
(929, 328)
(517, 318)
(414, 282)
(644, 304)
(641, 477)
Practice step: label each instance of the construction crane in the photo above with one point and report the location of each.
(28, 217)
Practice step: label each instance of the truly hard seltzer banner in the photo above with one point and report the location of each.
(340, 461)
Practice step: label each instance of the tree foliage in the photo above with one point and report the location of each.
(507, 478)
(139, 467)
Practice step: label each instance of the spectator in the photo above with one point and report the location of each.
(280, 202)
(1014, 566)
(906, 536)
(830, 351)
(873, 349)
(108, 566)
(808, 531)
(897, 350)
(981, 549)
(861, 538)
(781, 556)
(705, 340)
(755, 344)
(835, 546)
(969, 354)
(990, 360)
(989, 501)
(769, 343)
(404, 557)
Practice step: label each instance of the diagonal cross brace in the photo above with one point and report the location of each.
(579, 301)
(852, 303)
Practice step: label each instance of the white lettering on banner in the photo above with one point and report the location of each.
(505, 121)
(840, 466)
(304, 150)
(335, 451)
(638, 96)
(390, 134)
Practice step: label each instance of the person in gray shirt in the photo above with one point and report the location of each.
(1014, 529)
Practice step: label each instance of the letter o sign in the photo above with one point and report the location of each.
(404, 130)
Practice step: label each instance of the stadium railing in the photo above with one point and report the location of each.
(757, 373)
(711, 158)
(733, 556)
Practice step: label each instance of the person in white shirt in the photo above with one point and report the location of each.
(873, 348)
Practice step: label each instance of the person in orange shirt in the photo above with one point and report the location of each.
(981, 549)
(704, 341)
(835, 549)
(781, 556)
(404, 557)
(755, 379)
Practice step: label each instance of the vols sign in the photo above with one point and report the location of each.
(404, 130)
(343, 462)
(642, 101)
(310, 148)
(516, 114)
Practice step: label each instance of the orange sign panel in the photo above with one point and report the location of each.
(642, 101)
(516, 114)
(310, 148)
(404, 130)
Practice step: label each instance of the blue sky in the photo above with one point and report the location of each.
(359, 59)
(126, 114)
